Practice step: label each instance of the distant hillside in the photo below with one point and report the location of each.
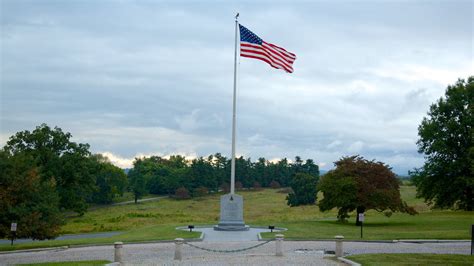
(404, 177)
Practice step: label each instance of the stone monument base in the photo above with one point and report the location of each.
(232, 218)
(231, 227)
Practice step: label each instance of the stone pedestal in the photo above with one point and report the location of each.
(232, 214)
(118, 252)
(178, 248)
(279, 245)
(339, 250)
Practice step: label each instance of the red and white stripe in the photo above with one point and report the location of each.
(275, 56)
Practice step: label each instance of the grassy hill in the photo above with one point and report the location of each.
(156, 220)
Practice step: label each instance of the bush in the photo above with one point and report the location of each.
(225, 187)
(238, 185)
(257, 186)
(201, 191)
(274, 184)
(182, 193)
(286, 190)
(304, 187)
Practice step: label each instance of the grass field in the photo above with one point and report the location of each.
(412, 259)
(156, 220)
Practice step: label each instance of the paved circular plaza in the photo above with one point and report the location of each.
(295, 253)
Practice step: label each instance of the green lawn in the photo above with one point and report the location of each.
(156, 220)
(412, 259)
(138, 234)
(69, 263)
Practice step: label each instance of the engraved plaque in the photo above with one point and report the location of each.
(231, 208)
(231, 218)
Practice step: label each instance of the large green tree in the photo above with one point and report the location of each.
(446, 180)
(111, 181)
(304, 189)
(58, 158)
(137, 180)
(27, 199)
(359, 184)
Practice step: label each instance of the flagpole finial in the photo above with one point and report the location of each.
(237, 16)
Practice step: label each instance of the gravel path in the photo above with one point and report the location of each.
(140, 200)
(296, 253)
(63, 237)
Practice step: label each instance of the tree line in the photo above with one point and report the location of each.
(177, 176)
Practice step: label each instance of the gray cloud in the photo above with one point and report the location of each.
(137, 78)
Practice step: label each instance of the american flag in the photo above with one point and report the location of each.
(252, 46)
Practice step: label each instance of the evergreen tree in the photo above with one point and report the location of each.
(304, 190)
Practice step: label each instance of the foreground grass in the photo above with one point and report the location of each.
(69, 263)
(412, 259)
(156, 220)
(139, 234)
(432, 225)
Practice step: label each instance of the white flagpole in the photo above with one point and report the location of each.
(232, 169)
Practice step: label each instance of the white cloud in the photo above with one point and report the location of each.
(415, 72)
(362, 85)
(188, 122)
(123, 162)
(334, 144)
(4, 138)
(118, 160)
(356, 147)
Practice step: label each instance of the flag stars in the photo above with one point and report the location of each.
(248, 36)
(253, 47)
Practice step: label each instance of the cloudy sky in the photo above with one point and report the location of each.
(139, 78)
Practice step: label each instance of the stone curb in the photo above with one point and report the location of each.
(266, 227)
(98, 245)
(212, 225)
(34, 250)
(332, 240)
(259, 237)
(348, 261)
(431, 241)
(378, 241)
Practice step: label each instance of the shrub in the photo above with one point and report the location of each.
(257, 186)
(225, 187)
(274, 184)
(286, 190)
(238, 185)
(304, 187)
(182, 193)
(201, 191)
